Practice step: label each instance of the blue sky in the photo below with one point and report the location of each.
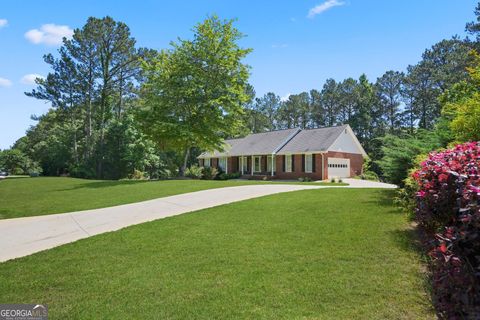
(297, 44)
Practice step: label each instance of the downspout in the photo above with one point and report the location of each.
(323, 168)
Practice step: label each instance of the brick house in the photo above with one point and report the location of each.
(323, 153)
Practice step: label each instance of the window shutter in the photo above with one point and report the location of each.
(303, 163)
(313, 162)
(283, 162)
(264, 163)
(238, 165)
(293, 162)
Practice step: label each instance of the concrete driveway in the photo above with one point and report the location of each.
(23, 236)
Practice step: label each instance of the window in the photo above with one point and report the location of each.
(269, 164)
(288, 163)
(257, 166)
(244, 164)
(206, 163)
(222, 163)
(308, 163)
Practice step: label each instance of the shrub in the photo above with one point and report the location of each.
(340, 180)
(209, 173)
(137, 175)
(194, 172)
(448, 213)
(332, 180)
(305, 179)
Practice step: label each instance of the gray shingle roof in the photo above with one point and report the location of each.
(280, 141)
(262, 143)
(312, 140)
(229, 144)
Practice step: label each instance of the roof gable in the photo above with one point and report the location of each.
(347, 142)
(313, 140)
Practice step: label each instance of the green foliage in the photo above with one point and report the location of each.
(90, 87)
(194, 172)
(194, 93)
(137, 175)
(332, 180)
(227, 176)
(461, 106)
(209, 173)
(15, 162)
(305, 179)
(400, 153)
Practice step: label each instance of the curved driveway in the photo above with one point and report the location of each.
(23, 236)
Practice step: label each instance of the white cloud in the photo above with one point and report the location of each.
(285, 97)
(3, 23)
(324, 7)
(5, 82)
(50, 34)
(30, 78)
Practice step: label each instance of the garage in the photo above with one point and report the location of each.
(338, 168)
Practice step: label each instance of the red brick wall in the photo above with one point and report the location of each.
(232, 164)
(356, 161)
(297, 169)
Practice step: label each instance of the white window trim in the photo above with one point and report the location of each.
(222, 163)
(308, 170)
(244, 164)
(259, 164)
(288, 166)
(207, 162)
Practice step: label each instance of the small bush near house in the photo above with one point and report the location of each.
(137, 175)
(448, 213)
(227, 176)
(340, 180)
(209, 173)
(194, 172)
(332, 180)
(305, 179)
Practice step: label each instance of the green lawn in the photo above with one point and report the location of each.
(316, 254)
(39, 196)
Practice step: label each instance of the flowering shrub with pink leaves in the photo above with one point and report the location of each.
(448, 212)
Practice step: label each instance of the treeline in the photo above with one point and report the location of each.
(119, 110)
(396, 103)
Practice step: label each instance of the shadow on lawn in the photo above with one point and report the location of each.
(105, 184)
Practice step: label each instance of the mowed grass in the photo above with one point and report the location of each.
(23, 197)
(316, 254)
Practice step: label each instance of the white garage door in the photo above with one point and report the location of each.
(338, 168)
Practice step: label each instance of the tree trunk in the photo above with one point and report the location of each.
(185, 160)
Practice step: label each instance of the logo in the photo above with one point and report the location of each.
(23, 312)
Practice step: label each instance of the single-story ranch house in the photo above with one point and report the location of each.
(319, 154)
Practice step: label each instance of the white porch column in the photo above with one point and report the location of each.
(226, 165)
(241, 163)
(273, 159)
(252, 165)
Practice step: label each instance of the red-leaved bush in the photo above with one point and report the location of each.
(448, 212)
